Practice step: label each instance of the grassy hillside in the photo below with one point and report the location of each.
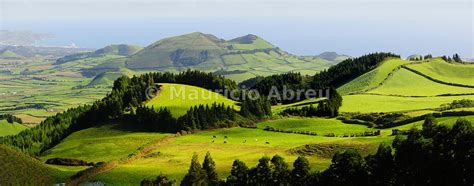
(318, 125)
(447, 72)
(10, 128)
(378, 103)
(179, 98)
(245, 144)
(108, 78)
(373, 78)
(20, 169)
(390, 88)
(103, 143)
(249, 145)
(240, 58)
(407, 83)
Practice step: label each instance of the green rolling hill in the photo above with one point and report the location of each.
(10, 128)
(20, 169)
(394, 87)
(179, 98)
(108, 78)
(447, 72)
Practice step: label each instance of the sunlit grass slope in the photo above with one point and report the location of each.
(447, 72)
(103, 143)
(10, 128)
(407, 83)
(318, 125)
(20, 169)
(179, 98)
(372, 78)
(378, 103)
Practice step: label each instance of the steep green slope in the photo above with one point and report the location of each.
(20, 169)
(399, 89)
(407, 83)
(10, 128)
(190, 49)
(101, 143)
(179, 98)
(447, 72)
(239, 58)
(373, 78)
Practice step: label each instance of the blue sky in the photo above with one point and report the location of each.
(305, 27)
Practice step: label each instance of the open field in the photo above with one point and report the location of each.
(179, 98)
(10, 128)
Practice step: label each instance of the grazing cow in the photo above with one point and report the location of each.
(225, 137)
(245, 141)
(256, 139)
(213, 136)
(267, 142)
(212, 141)
(225, 141)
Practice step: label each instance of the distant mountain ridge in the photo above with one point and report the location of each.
(120, 50)
(239, 58)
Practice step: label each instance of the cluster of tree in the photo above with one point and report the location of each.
(463, 103)
(196, 118)
(279, 86)
(201, 175)
(250, 82)
(455, 58)
(157, 120)
(428, 56)
(205, 117)
(258, 107)
(326, 107)
(435, 155)
(348, 70)
(160, 180)
(10, 118)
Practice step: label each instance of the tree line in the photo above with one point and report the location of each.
(435, 155)
(455, 58)
(10, 118)
(196, 118)
(326, 107)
